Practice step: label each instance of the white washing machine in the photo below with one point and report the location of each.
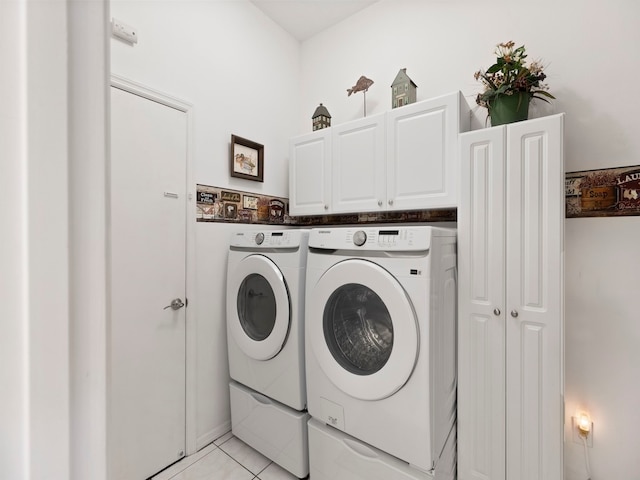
(265, 336)
(381, 338)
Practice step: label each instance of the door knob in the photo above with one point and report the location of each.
(496, 311)
(514, 313)
(175, 304)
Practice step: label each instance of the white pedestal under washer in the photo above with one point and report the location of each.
(265, 336)
(380, 323)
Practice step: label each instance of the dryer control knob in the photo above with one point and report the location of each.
(260, 238)
(359, 238)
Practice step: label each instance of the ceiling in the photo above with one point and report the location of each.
(305, 18)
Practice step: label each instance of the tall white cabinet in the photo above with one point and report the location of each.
(511, 307)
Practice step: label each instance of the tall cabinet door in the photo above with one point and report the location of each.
(481, 316)
(534, 241)
(359, 182)
(310, 173)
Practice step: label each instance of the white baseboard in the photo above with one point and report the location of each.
(211, 435)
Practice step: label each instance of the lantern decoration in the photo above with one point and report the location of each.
(321, 118)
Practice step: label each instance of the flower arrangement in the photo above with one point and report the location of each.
(510, 75)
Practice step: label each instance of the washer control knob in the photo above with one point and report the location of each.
(259, 238)
(359, 238)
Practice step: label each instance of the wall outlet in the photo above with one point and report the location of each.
(123, 31)
(577, 436)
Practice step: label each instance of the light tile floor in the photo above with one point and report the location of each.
(227, 458)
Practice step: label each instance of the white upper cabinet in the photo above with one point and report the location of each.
(310, 173)
(510, 310)
(358, 165)
(405, 159)
(422, 152)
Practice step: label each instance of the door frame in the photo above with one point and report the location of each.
(143, 91)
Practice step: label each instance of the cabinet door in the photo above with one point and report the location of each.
(310, 173)
(358, 163)
(421, 153)
(535, 221)
(481, 297)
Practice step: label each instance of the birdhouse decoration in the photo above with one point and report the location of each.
(403, 90)
(321, 118)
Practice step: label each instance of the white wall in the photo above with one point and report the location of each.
(590, 49)
(240, 71)
(14, 456)
(34, 255)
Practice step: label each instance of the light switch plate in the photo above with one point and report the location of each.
(123, 31)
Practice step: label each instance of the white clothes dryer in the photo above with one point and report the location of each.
(265, 308)
(381, 337)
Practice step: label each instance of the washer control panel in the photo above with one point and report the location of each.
(359, 238)
(381, 239)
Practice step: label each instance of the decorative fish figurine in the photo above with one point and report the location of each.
(362, 85)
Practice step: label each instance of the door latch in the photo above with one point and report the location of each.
(176, 304)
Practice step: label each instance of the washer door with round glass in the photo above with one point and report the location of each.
(362, 329)
(259, 315)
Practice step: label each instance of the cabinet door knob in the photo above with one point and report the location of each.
(391, 202)
(379, 203)
(326, 207)
(496, 311)
(514, 313)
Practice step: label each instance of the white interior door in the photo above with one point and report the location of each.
(148, 259)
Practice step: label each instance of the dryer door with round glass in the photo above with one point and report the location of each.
(362, 329)
(260, 322)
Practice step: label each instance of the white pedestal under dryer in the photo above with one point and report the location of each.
(265, 336)
(380, 327)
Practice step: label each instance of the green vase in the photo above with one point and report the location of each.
(509, 108)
